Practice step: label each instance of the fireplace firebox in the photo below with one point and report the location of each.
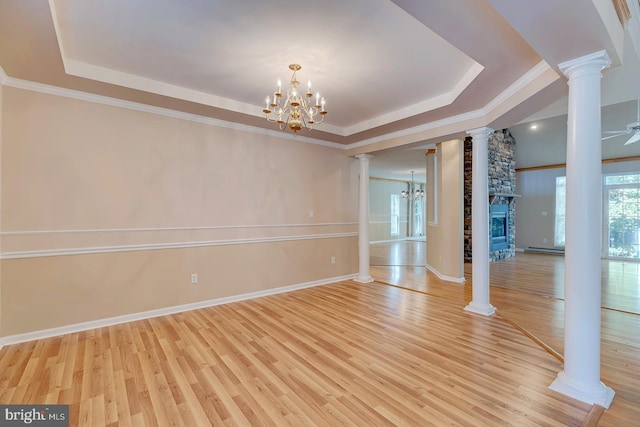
(499, 227)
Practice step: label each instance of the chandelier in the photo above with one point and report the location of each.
(296, 110)
(414, 192)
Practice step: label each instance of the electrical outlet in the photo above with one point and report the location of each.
(333, 260)
(310, 214)
(194, 278)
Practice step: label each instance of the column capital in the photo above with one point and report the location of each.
(480, 132)
(363, 156)
(590, 64)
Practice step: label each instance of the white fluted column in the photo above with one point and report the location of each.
(480, 223)
(363, 221)
(581, 376)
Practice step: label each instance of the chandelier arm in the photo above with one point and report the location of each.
(297, 108)
(277, 117)
(304, 122)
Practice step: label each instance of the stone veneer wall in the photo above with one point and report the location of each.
(502, 179)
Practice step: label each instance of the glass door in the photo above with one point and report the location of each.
(622, 211)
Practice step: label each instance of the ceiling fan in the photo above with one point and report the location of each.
(633, 129)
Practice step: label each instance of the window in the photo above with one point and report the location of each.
(418, 208)
(417, 217)
(561, 199)
(622, 215)
(621, 219)
(622, 179)
(395, 214)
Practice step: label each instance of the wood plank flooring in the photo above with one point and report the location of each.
(340, 354)
(528, 290)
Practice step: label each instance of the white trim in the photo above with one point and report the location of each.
(429, 104)
(136, 106)
(633, 26)
(373, 242)
(443, 277)
(598, 395)
(488, 310)
(484, 112)
(519, 249)
(155, 246)
(108, 75)
(600, 59)
(476, 114)
(93, 324)
(3, 76)
(206, 227)
(527, 78)
(56, 29)
(133, 81)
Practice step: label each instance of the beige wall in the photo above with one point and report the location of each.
(445, 238)
(101, 205)
(1, 133)
(535, 219)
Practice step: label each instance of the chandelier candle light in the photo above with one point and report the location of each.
(414, 192)
(297, 110)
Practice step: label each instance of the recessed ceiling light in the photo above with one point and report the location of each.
(533, 127)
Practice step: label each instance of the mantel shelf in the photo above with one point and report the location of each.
(509, 197)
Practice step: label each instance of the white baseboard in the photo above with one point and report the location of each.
(444, 277)
(404, 239)
(94, 324)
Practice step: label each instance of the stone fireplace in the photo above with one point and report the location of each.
(502, 185)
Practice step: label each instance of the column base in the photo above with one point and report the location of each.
(597, 395)
(366, 279)
(485, 310)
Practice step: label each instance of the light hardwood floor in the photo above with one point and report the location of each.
(528, 292)
(403, 353)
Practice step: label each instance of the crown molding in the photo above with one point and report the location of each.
(136, 106)
(527, 78)
(485, 114)
(480, 115)
(428, 105)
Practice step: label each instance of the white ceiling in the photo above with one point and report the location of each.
(397, 75)
(217, 52)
